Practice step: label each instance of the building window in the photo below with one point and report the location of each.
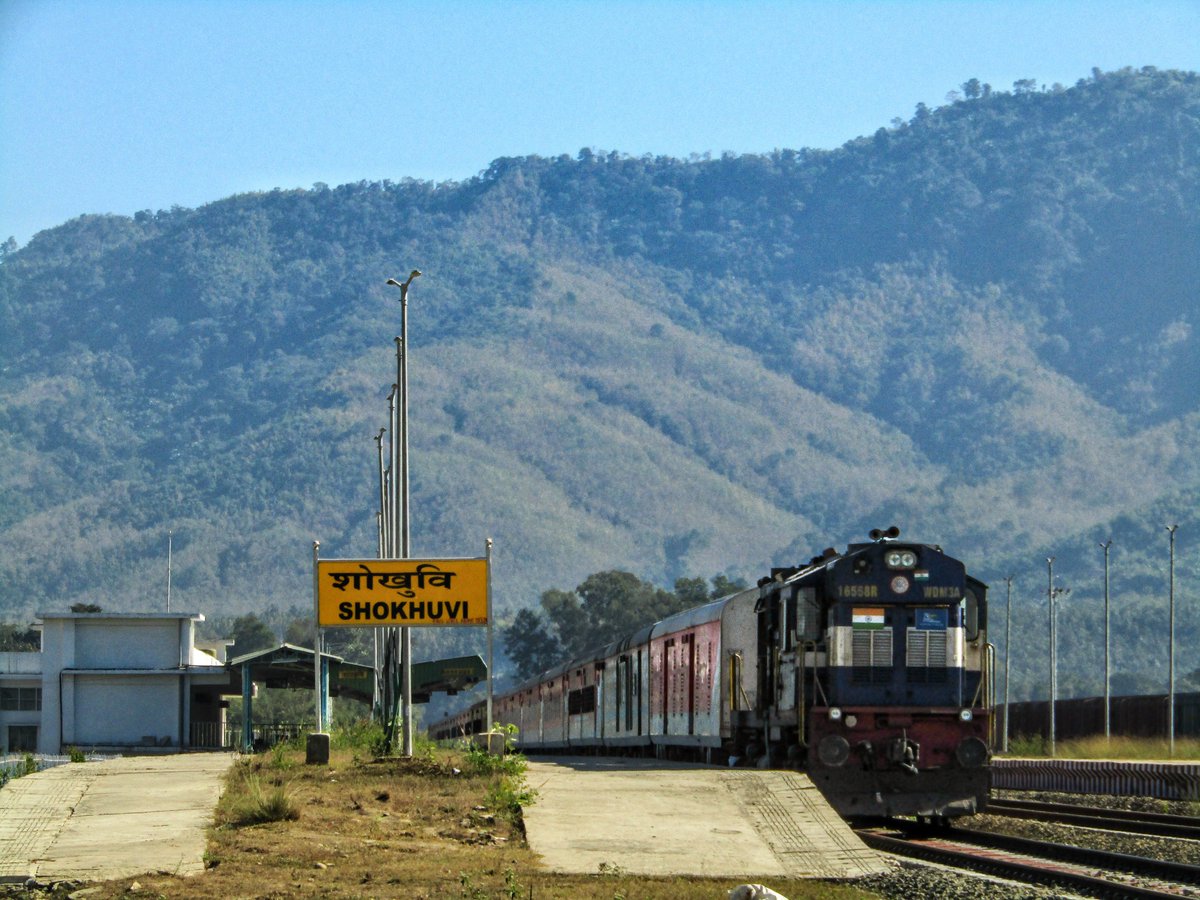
(22, 738)
(20, 699)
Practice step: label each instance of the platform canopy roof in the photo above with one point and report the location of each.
(290, 666)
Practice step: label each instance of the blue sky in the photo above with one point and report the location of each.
(114, 106)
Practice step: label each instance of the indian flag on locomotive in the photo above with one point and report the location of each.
(868, 617)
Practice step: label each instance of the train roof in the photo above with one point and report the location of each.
(697, 615)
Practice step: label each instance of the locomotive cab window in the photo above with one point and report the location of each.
(970, 608)
(808, 624)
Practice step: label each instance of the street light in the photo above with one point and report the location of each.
(1107, 545)
(402, 467)
(1053, 593)
(1007, 671)
(1171, 653)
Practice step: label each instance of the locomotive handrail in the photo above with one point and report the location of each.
(736, 685)
(802, 701)
(987, 687)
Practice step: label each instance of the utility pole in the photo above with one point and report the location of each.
(1107, 545)
(1053, 593)
(1007, 671)
(1171, 654)
(405, 549)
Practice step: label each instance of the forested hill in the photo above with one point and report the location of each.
(978, 324)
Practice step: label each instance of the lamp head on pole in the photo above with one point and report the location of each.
(415, 273)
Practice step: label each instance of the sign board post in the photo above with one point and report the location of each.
(405, 593)
(383, 593)
(488, 557)
(317, 747)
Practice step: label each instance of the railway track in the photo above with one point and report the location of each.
(1091, 872)
(1157, 824)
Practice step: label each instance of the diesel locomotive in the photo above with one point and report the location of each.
(868, 669)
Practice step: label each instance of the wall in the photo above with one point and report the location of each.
(116, 644)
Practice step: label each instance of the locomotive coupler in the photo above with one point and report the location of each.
(903, 753)
(866, 753)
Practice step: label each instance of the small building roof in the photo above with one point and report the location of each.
(105, 614)
(291, 666)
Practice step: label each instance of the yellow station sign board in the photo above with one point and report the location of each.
(401, 592)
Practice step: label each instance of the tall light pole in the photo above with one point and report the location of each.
(1007, 671)
(405, 633)
(170, 537)
(1107, 545)
(1171, 653)
(1053, 593)
(382, 543)
(1053, 661)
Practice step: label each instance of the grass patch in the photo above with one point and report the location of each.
(258, 800)
(1099, 747)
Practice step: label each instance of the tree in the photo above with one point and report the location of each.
(723, 586)
(250, 633)
(608, 605)
(530, 645)
(569, 620)
(300, 632)
(14, 638)
(691, 591)
(617, 602)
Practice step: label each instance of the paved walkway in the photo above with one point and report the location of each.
(650, 817)
(113, 819)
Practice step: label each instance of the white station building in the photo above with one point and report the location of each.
(114, 681)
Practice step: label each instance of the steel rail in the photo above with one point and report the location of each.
(1157, 824)
(1045, 872)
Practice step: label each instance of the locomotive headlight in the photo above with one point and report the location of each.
(835, 714)
(833, 751)
(900, 559)
(972, 753)
(965, 715)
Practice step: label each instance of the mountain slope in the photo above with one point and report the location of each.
(976, 324)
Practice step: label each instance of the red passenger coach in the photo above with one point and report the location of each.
(684, 689)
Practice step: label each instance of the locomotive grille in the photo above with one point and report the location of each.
(871, 655)
(926, 655)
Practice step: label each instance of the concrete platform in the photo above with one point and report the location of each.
(650, 817)
(113, 819)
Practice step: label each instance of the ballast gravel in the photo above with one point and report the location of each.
(909, 880)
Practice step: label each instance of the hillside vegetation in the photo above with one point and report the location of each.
(976, 324)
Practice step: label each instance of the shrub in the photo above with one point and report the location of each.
(257, 803)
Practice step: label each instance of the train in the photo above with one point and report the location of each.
(868, 669)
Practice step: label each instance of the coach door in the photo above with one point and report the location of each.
(688, 655)
(637, 692)
(679, 684)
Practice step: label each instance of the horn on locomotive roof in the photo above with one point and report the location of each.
(877, 535)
